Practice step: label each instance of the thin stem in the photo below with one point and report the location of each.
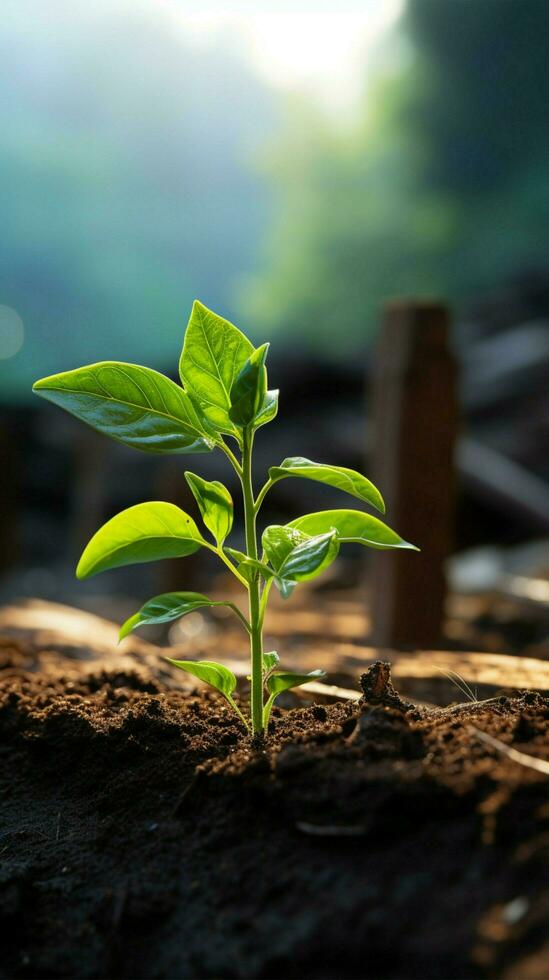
(227, 561)
(268, 708)
(263, 601)
(254, 587)
(241, 617)
(234, 705)
(231, 457)
(263, 493)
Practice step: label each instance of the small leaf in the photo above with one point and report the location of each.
(209, 671)
(213, 353)
(165, 608)
(351, 525)
(296, 557)
(214, 674)
(279, 540)
(310, 558)
(141, 533)
(335, 476)
(285, 587)
(132, 404)
(238, 556)
(215, 503)
(250, 388)
(283, 681)
(270, 661)
(268, 410)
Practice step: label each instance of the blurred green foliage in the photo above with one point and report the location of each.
(127, 182)
(130, 180)
(440, 187)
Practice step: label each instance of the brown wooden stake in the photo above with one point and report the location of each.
(415, 420)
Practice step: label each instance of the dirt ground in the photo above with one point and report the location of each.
(144, 835)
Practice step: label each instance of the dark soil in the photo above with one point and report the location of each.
(144, 835)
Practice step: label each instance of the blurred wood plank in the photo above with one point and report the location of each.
(415, 421)
(72, 642)
(432, 676)
(325, 618)
(49, 638)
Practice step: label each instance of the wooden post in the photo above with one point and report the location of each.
(415, 419)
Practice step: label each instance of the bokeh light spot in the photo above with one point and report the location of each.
(12, 332)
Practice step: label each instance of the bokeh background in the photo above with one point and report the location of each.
(293, 165)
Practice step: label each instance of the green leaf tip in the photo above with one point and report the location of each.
(352, 526)
(128, 626)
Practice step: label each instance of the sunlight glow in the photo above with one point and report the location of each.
(310, 47)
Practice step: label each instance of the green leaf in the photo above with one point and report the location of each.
(296, 557)
(132, 404)
(209, 671)
(238, 556)
(249, 566)
(142, 533)
(285, 586)
(268, 410)
(215, 503)
(165, 608)
(351, 525)
(270, 661)
(214, 674)
(250, 388)
(335, 476)
(213, 353)
(310, 558)
(279, 540)
(283, 681)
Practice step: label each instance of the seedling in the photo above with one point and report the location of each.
(224, 395)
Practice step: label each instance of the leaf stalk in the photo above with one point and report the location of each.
(263, 493)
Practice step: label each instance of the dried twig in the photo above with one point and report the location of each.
(540, 765)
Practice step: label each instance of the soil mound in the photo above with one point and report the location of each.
(145, 835)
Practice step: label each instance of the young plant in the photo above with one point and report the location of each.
(224, 396)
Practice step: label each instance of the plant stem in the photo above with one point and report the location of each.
(231, 457)
(263, 493)
(254, 587)
(263, 601)
(221, 554)
(237, 612)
